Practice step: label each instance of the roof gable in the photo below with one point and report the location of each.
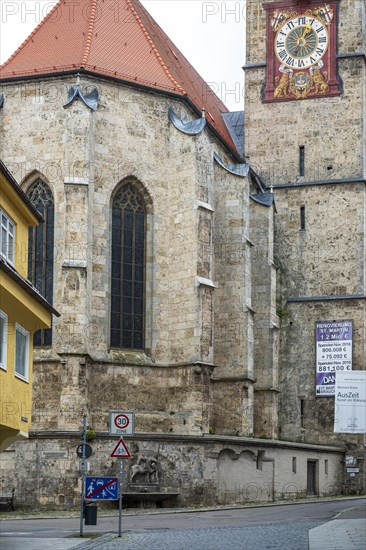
(123, 43)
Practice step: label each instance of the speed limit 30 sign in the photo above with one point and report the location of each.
(121, 423)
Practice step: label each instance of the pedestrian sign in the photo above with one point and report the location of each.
(121, 450)
(101, 488)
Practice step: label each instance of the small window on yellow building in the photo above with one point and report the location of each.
(7, 237)
(21, 352)
(3, 338)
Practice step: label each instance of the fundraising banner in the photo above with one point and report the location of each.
(350, 402)
(333, 354)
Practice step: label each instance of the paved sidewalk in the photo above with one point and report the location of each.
(347, 532)
(340, 534)
(17, 543)
(33, 543)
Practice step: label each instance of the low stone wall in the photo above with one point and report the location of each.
(208, 470)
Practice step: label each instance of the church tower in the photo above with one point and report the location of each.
(305, 89)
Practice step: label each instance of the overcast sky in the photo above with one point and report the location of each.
(209, 33)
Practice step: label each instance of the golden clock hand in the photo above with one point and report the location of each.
(301, 39)
(307, 31)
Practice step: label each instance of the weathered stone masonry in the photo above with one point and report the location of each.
(224, 390)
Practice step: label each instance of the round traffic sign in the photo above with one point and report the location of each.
(121, 421)
(88, 450)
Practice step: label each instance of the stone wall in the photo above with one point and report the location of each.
(298, 372)
(320, 266)
(266, 321)
(327, 256)
(85, 159)
(210, 470)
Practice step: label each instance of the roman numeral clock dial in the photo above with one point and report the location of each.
(302, 42)
(301, 50)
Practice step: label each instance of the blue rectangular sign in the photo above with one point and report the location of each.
(101, 488)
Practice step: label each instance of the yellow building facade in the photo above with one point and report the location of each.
(23, 310)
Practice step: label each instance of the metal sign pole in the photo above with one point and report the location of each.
(120, 479)
(83, 467)
(121, 423)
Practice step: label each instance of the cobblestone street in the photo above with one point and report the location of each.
(276, 536)
(337, 524)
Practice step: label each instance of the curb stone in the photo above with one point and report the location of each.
(69, 514)
(96, 543)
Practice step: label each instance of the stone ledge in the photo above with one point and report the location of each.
(295, 184)
(327, 298)
(204, 205)
(76, 181)
(202, 281)
(150, 496)
(205, 438)
(80, 264)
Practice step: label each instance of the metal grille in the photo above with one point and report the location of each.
(40, 251)
(128, 261)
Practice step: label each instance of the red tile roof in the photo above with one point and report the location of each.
(123, 43)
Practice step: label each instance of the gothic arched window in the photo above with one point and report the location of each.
(40, 250)
(128, 262)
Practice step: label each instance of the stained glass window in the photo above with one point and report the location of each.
(128, 273)
(40, 251)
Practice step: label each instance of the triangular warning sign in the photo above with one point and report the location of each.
(121, 450)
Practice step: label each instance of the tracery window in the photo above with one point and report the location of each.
(128, 263)
(40, 250)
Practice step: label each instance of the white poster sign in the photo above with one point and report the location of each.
(350, 402)
(333, 354)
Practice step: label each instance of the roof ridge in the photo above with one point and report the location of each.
(89, 35)
(153, 47)
(29, 38)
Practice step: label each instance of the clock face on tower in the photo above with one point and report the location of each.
(302, 42)
(301, 50)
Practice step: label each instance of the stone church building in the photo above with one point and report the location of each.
(193, 253)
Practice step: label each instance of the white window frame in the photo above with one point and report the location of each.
(9, 228)
(4, 339)
(23, 332)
